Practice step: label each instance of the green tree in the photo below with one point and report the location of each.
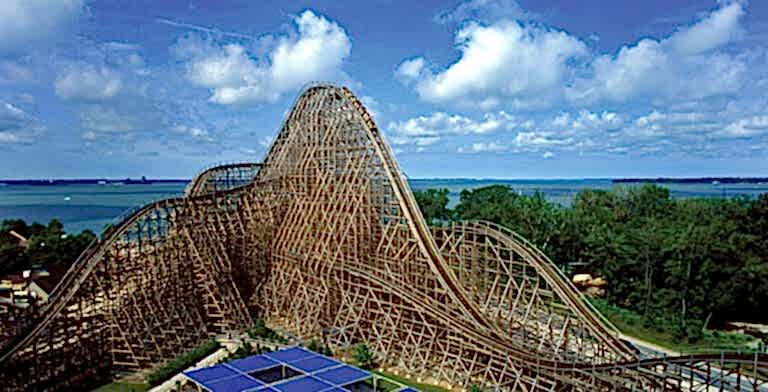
(47, 245)
(433, 204)
(683, 265)
(532, 216)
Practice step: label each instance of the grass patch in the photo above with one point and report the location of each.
(633, 324)
(122, 387)
(411, 383)
(171, 368)
(260, 330)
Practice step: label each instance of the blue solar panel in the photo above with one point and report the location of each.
(316, 373)
(210, 373)
(290, 354)
(253, 363)
(312, 364)
(237, 383)
(302, 384)
(342, 375)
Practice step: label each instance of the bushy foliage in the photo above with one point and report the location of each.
(363, 356)
(260, 330)
(171, 368)
(664, 331)
(313, 345)
(686, 264)
(535, 218)
(433, 204)
(243, 350)
(47, 245)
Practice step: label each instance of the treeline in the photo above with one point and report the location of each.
(682, 264)
(47, 245)
(698, 180)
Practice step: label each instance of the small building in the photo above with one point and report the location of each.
(13, 291)
(43, 281)
(38, 292)
(13, 282)
(31, 286)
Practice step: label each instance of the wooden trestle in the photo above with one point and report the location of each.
(325, 240)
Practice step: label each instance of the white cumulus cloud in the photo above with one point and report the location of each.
(485, 10)
(100, 120)
(483, 147)
(684, 65)
(235, 76)
(13, 72)
(87, 82)
(193, 131)
(536, 139)
(503, 60)
(426, 130)
(17, 126)
(24, 23)
(410, 70)
(717, 29)
(587, 120)
(746, 127)
(525, 65)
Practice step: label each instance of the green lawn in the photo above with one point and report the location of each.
(122, 387)
(631, 323)
(411, 383)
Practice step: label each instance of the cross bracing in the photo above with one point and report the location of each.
(324, 239)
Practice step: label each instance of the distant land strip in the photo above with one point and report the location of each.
(133, 181)
(696, 180)
(92, 181)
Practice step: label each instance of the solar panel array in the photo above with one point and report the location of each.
(312, 372)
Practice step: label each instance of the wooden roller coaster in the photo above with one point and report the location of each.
(324, 239)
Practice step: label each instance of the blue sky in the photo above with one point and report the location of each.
(475, 88)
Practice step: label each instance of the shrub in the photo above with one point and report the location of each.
(363, 356)
(313, 345)
(260, 330)
(243, 350)
(173, 367)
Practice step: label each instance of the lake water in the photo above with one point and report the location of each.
(79, 207)
(91, 207)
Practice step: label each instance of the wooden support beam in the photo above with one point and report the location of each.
(324, 238)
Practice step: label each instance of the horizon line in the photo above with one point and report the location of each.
(179, 179)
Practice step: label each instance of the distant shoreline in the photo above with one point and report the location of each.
(92, 181)
(696, 180)
(658, 180)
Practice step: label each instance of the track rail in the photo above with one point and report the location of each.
(331, 223)
(601, 326)
(240, 174)
(563, 286)
(72, 279)
(416, 219)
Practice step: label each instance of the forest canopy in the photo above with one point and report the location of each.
(682, 264)
(47, 245)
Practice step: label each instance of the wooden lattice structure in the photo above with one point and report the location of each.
(324, 239)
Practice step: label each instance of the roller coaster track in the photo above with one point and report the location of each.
(222, 177)
(324, 239)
